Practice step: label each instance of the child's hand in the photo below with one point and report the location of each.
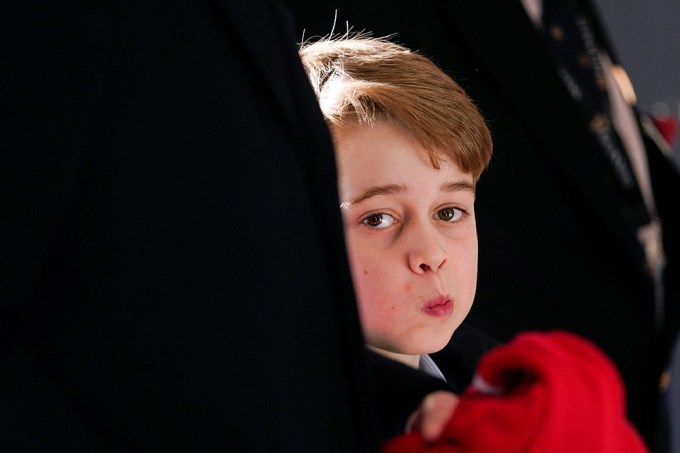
(433, 413)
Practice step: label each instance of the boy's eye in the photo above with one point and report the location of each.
(449, 214)
(378, 220)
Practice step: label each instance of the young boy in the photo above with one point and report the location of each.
(410, 147)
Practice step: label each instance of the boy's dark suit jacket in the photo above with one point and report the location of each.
(172, 270)
(556, 250)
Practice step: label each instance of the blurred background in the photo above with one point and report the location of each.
(646, 36)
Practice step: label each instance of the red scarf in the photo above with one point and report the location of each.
(543, 392)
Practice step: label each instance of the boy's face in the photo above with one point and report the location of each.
(411, 238)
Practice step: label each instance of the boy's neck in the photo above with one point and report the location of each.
(411, 360)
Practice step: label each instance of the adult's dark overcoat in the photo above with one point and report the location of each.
(172, 270)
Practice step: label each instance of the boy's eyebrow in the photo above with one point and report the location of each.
(451, 186)
(379, 190)
(457, 186)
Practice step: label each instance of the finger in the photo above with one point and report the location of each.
(437, 409)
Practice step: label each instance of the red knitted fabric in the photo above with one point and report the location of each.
(543, 392)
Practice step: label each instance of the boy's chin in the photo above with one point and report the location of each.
(441, 343)
(432, 345)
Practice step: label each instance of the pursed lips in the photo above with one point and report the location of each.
(438, 306)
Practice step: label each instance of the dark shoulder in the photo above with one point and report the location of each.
(458, 360)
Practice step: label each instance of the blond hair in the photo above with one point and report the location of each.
(372, 80)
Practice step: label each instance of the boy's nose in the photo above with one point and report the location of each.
(426, 267)
(426, 254)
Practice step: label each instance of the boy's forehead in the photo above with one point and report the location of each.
(357, 144)
(382, 161)
(373, 138)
